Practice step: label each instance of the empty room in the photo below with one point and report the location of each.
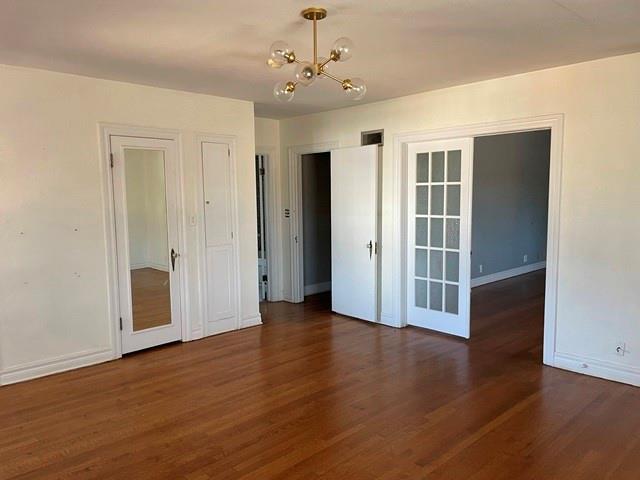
(281, 240)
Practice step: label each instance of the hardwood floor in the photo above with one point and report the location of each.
(151, 298)
(312, 395)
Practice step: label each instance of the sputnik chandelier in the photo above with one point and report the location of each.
(306, 72)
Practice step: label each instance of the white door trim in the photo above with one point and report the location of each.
(272, 225)
(229, 140)
(105, 132)
(295, 212)
(554, 123)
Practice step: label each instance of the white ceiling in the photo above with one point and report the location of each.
(402, 46)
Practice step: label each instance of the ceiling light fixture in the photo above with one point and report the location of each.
(306, 72)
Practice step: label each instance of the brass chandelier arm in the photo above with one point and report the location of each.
(332, 77)
(320, 66)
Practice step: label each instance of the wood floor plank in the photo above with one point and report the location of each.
(313, 395)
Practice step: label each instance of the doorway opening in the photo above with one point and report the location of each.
(438, 211)
(509, 235)
(261, 209)
(316, 223)
(335, 227)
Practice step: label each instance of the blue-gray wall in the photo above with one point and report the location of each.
(510, 201)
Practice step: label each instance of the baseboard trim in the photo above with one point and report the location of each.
(389, 320)
(317, 288)
(155, 266)
(251, 321)
(196, 333)
(513, 272)
(29, 371)
(598, 368)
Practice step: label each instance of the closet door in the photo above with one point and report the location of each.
(221, 311)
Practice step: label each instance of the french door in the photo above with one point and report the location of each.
(145, 192)
(439, 235)
(354, 227)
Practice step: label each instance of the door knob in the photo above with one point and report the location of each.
(174, 255)
(370, 247)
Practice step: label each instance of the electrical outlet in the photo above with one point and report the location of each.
(480, 267)
(525, 259)
(621, 348)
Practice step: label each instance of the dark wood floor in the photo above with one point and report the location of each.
(311, 395)
(151, 298)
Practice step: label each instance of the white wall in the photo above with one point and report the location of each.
(267, 132)
(146, 209)
(53, 285)
(599, 264)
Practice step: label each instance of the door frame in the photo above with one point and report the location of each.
(105, 132)
(230, 141)
(295, 212)
(554, 123)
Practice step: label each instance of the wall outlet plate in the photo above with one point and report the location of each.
(621, 348)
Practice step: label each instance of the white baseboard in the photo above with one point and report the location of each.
(251, 321)
(513, 272)
(317, 288)
(155, 266)
(28, 371)
(598, 368)
(389, 320)
(159, 266)
(197, 333)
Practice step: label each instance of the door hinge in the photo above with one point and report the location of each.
(111, 159)
(229, 151)
(120, 323)
(264, 278)
(262, 171)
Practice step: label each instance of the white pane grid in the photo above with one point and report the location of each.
(436, 287)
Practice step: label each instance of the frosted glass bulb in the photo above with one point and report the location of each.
(305, 73)
(342, 49)
(283, 91)
(355, 88)
(280, 53)
(273, 64)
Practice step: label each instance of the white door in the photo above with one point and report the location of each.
(145, 187)
(220, 249)
(354, 208)
(439, 235)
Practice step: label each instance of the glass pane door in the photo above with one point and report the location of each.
(438, 241)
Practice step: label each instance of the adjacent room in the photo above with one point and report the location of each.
(316, 223)
(366, 240)
(510, 203)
